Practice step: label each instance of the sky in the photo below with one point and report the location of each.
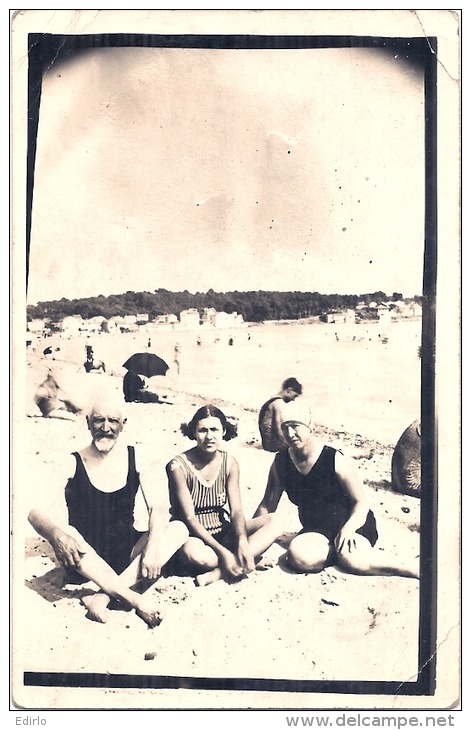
(229, 169)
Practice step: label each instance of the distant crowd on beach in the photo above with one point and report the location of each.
(123, 538)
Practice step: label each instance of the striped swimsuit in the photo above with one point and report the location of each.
(209, 499)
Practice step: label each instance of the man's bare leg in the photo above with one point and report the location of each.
(93, 567)
(145, 603)
(97, 607)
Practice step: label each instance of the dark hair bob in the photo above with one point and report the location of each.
(230, 429)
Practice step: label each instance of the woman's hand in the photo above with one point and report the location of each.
(230, 565)
(245, 557)
(345, 542)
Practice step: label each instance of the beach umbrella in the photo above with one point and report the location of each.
(147, 364)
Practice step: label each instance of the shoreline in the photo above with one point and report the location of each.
(356, 379)
(351, 438)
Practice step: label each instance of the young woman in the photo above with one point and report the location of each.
(205, 495)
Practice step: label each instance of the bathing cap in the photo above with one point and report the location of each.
(297, 412)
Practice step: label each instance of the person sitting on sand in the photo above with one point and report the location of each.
(338, 526)
(204, 494)
(135, 389)
(98, 539)
(92, 365)
(133, 384)
(53, 402)
(269, 417)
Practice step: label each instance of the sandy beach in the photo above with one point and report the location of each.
(274, 625)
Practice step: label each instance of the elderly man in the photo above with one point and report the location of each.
(96, 538)
(338, 525)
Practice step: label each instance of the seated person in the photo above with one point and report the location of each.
(135, 389)
(205, 495)
(338, 525)
(91, 365)
(53, 402)
(92, 528)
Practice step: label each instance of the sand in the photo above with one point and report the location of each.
(273, 625)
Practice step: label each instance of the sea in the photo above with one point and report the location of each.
(360, 379)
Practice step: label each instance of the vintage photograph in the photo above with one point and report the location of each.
(226, 336)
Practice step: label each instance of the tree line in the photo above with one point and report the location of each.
(254, 306)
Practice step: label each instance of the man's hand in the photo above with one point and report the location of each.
(68, 551)
(151, 565)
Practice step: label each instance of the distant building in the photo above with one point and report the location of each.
(122, 324)
(114, 323)
(222, 320)
(226, 320)
(163, 319)
(161, 322)
(403, 310)
(416, 309)
(207, 315)
(384, 313)
(190, 319)
(93, 325)
(338, 315)
(71, 325)
(36, 325)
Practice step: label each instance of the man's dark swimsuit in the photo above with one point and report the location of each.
(105, 519)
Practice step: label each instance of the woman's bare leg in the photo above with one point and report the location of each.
(308, 552)
(365, 560)
(262, 533)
